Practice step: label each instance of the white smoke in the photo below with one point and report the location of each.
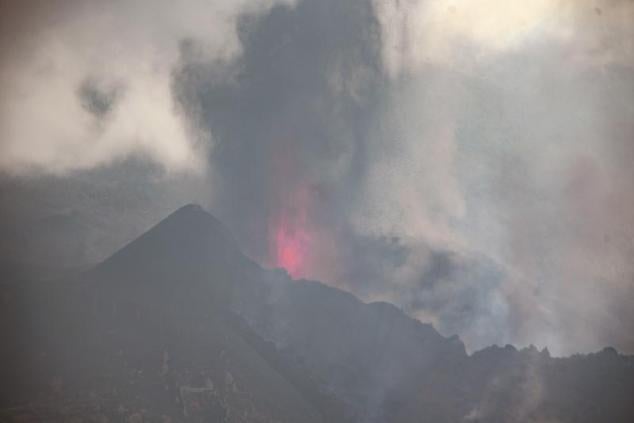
(122, 54)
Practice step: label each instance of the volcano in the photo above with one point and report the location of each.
(180, 325)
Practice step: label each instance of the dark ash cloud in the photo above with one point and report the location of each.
(98, 97)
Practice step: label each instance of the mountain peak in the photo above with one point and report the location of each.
(190, 208)
(190, 239)
(191, 213)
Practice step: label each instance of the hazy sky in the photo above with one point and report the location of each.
(470, 161)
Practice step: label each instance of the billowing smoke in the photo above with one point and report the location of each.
(358, 142)
(469, 161)
(291, 123)
(86, 83)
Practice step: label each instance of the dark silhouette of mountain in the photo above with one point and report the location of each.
(179, 325)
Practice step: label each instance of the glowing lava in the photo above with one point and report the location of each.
(291, 249)
(291, 237)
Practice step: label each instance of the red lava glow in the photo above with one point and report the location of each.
(291, 237)
(291, 246)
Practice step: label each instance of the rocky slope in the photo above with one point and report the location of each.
(181, 326)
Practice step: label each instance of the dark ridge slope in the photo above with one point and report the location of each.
(179, 324)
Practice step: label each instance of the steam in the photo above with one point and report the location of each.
(469, 33)
(527, 94)
(90, 83)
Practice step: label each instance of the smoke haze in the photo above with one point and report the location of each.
(469, 161)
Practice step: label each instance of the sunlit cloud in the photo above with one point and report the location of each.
(462, 33)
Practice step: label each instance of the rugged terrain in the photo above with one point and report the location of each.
(179, 325)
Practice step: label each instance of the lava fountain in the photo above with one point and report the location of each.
(291, 236)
